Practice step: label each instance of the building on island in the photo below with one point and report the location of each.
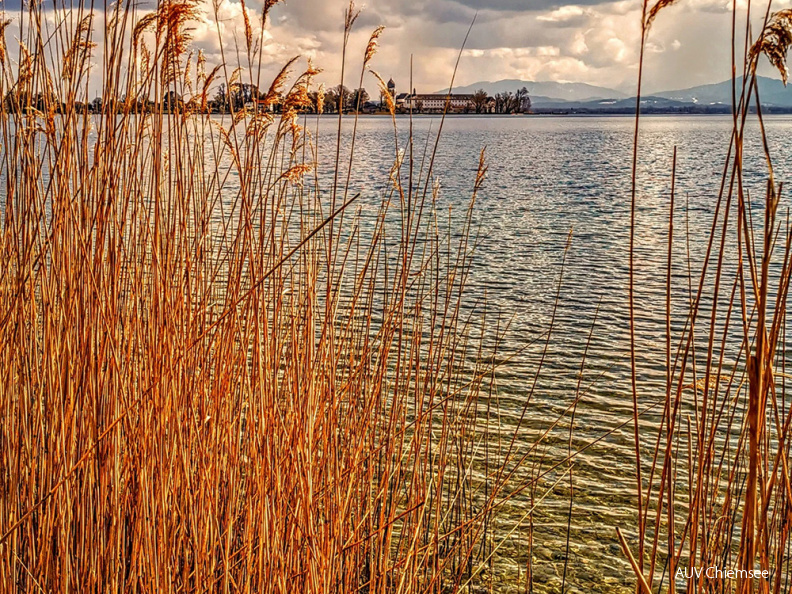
(436, 102)
(478, 102)
(391, 90)
(430, 102)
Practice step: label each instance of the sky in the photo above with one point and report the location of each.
(593, 41)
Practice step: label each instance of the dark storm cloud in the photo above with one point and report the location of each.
(10, 5)
(522, 5)
(518, 31)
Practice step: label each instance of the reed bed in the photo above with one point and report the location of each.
(219, 371)
(713, 492)
(225, 368)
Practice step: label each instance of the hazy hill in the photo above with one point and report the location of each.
(545, 89)
(549, 96)
(651, 102)
(771, 92)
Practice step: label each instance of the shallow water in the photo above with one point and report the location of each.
(549, 176)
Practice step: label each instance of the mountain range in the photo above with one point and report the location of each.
(771, 92)
(555, 96)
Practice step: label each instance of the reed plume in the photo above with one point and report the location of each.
(371, 47)
(385, 92)
(774, 42)
(651, 15)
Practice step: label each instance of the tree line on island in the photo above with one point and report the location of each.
(503, 103)
(242, 96)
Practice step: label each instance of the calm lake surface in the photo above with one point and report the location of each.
(549, 176)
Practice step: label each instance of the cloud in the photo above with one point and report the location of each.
(521, 5)
(592, 41)
(567, 16)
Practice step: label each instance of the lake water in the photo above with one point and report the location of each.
(549, 176)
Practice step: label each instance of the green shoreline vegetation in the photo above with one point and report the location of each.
(217, 375)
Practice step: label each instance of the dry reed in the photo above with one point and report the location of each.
(212, 377)
(718, 489)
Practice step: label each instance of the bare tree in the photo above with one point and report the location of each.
(358, 98)
(480, 99)
(343, 98)
(504, 102)
(331, 101)
(522, 101)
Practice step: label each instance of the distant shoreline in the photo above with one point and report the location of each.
(550, 113)
(537, 113)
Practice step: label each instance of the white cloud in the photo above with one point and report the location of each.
(570, 15)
